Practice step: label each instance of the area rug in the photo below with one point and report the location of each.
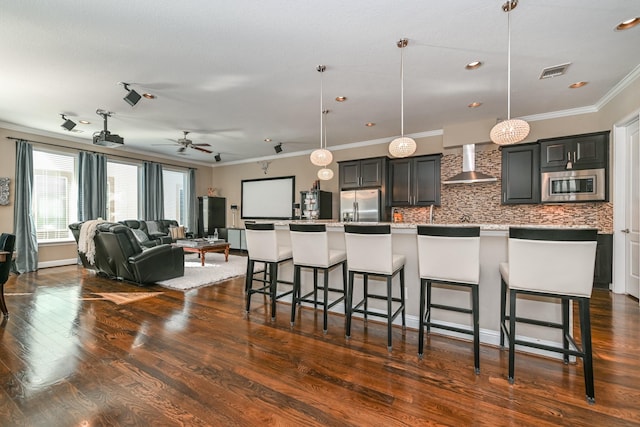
(215, 270)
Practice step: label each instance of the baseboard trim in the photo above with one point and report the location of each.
(57, 263)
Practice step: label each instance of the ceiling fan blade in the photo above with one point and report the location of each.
(181, 149)
(202, 144)
(201, 149)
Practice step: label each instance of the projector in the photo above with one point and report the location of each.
(107, 139)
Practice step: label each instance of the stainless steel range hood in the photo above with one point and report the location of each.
(469, 174)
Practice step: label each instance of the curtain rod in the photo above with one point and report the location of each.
(91, 151)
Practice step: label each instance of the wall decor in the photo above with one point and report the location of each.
(4, 191)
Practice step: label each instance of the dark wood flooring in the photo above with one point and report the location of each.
(68, 357)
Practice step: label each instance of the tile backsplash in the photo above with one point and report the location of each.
(480, 203)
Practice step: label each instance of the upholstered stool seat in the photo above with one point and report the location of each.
(310, 245)
(370, 253)
(449, 257)
(555, 264)
(263, 247)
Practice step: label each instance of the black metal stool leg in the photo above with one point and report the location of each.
(512, 334)
(585, 332)
(565, 329)
(295, 295)
(503, 310)
(475, 304)
(404, 322)
(389, 313)
(325, 316)
(248, 284)
(428, 314)
(348, 306)
(273, 272)
(423, 285)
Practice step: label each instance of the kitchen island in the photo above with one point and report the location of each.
(493, 251)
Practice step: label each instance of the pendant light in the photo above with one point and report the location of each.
(325, 173)
(509, 131)
(322, 156)
(403, 146)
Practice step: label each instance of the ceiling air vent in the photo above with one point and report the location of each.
(555, 71)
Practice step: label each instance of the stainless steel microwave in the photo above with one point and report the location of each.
(587, 185)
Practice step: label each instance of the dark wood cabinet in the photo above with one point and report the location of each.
(362, 173)
(415, 181)
(587, 151)
(211, 215)
(521, 174)
(603, 272)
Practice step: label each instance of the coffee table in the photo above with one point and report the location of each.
(208, 247)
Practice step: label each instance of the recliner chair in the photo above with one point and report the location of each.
(7, 244)
(119, 254)
(141, 231)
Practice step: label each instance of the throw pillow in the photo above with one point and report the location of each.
(140, 235)
(176, 232)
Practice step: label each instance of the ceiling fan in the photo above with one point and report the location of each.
(185, 143)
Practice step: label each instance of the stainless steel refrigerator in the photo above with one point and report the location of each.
(360, 205)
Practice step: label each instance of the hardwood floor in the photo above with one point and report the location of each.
(71, 357)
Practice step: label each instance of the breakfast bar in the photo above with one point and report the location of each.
(493, 251)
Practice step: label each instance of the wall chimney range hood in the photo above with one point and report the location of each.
(469, 174)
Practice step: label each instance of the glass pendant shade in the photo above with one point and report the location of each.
(402, 147)
(325, 174)
(321, 157)
(509, 132)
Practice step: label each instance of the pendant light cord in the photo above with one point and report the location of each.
(321, 69)
(509, 65)
(402, 91)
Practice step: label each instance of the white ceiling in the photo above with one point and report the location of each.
(236, 72)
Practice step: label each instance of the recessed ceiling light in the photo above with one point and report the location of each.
(370, 124)
(267, 140)
(473, 65)
(84, 122)
(341, 98)
(149, 95)
(629, 23)
(474, 104)
(577, 85)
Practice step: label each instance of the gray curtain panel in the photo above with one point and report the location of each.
(152, 191)
(192, 200)
(23, 221)
(92, 186)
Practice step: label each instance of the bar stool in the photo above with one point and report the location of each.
(449, 256)
(370, 253)
(263, 247)
(310, 245)
(553, 263)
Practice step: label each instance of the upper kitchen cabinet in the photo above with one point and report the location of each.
(521, 174)
(362, 173)
(587, 151)
(415, 181)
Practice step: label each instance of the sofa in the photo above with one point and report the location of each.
(119, 255)
(146, 239)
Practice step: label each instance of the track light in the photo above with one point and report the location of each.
(132, 97)
(68, 124)
(217, 157)
(278, 148)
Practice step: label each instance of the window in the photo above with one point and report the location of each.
(175, 187)
(54, 195)
(122, 191)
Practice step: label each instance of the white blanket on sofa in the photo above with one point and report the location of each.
(86, 244)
